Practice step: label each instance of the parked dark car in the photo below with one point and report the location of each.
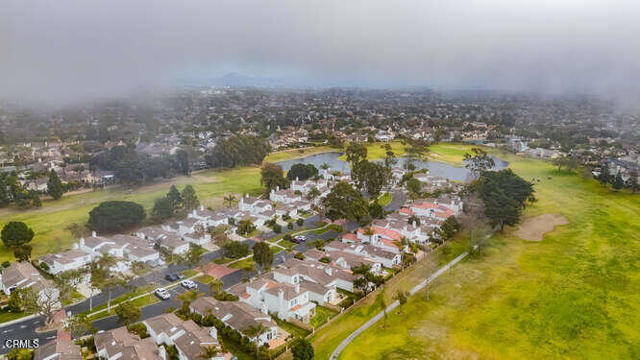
(173, 277)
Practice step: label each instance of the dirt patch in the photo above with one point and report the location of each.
(533, 229)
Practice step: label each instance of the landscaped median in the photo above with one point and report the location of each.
(140, 296)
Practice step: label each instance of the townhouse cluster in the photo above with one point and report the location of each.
(295, 288)
(142, 246)
(381, 244)
(190, 341)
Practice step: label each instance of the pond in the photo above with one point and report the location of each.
(435, 168)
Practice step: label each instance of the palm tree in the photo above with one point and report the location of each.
(313, 193)
(254, 332)
(229, 200)
(216, 285)
(369, 232)
(209, 352)
(186, 298)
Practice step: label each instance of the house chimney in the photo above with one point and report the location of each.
(93, 233)
(264, 310)
(246, 195)
(201, 207)
(297, 288)
(278, 188)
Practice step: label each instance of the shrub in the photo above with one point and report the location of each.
(300, 221)
(44, 266)
(235, 249)
(138, 329)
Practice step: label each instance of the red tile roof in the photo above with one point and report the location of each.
(216, 270)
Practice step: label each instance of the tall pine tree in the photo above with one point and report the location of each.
(618, 182)
(54, 186)
(175, 198)
(604, 177)
(189, 199)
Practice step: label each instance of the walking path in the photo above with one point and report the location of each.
(373, 320)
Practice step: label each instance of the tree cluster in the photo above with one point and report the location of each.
(115, 216)
(235, 249)
(504, 195)
(237, 150)
(134, 168)
(448, 228)
(272, 177)
(11, 191)
(616, 181)
(16, 236)
(175, 203)
(302, 172)
(345, 202)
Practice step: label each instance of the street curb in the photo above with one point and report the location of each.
(15, 321)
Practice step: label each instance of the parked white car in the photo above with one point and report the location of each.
(188, 284)
(163, 293)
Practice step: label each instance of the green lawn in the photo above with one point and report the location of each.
(295, 153)
(189, 273)
(323, 314)
(204, 278)
(50, 221)
(449, 153)
(290, 328)
(247, 264)
(574, 295)
(124, 297)
(376, 151)
(8, 316)
(385, 199)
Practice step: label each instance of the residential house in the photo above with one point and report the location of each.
(283, 299)
(188, 338)
(62, 348)
(253, 205)
(119, 344)
(22, 275)
(239, 316)
(284, 196)
(67, 260)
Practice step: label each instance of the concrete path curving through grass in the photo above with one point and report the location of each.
(378, 316)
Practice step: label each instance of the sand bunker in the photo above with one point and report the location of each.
(533, 229)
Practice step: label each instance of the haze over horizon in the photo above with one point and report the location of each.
(67, 51)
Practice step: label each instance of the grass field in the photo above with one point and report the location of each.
(295, 153)
(448, 153)
(385, 199)
(50, 221)
(576, 294)
(376, 151)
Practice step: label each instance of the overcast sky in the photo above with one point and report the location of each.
(70, 50)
